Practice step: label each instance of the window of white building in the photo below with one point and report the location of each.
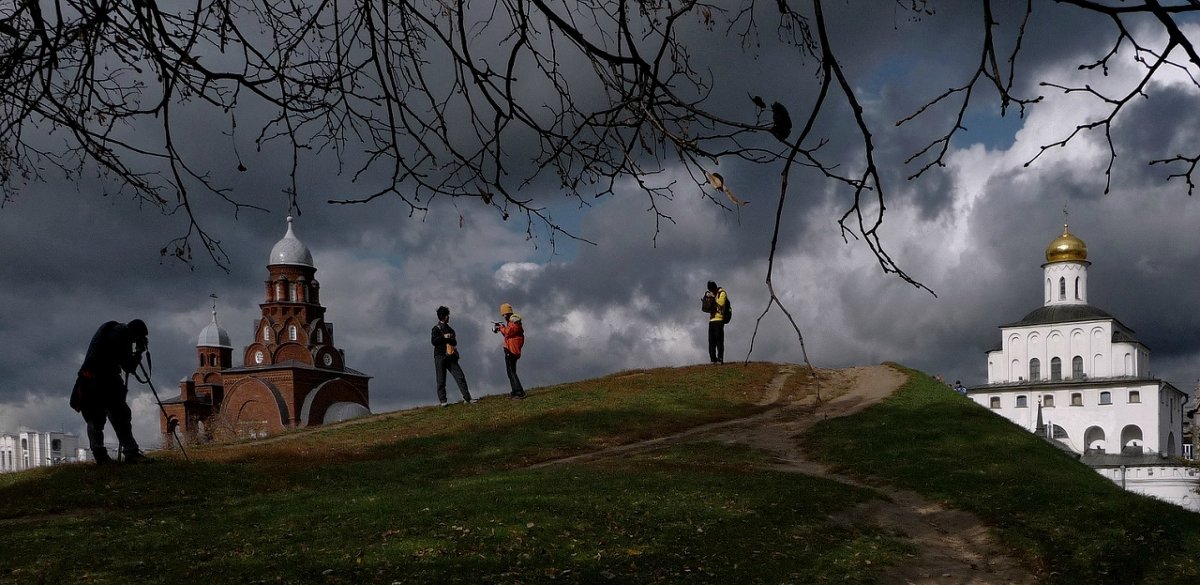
(1055, 369)
(1048, 401)
(995, 403)
(1077, 367)
(1062, 289)
(1035, 370)
(1076, 399)
(1106, 397)
(1022, 402)
(1135, 396)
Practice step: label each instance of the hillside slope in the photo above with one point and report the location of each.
(700, 474)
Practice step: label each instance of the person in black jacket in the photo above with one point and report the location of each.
(445, 357)
(100, 390)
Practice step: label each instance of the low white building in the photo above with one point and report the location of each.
(1074, 373)
(29, 449)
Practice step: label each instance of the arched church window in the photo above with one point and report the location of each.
(1035, 370)
(266, 333)
(291, 290)
(212, 359)
(1077, 367)
(1106, 397)
(202, 360)
(292, 332)
(318, 336)
(1055, 369)
(1077, 288)
(1062, 288)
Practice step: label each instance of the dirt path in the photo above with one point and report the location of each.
(954, 547)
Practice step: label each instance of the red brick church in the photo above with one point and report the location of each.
(292, 375)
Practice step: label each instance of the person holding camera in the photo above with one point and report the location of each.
(514, 339)
(100, 391)
(445, 357)
(715, 302)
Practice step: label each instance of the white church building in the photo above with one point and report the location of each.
(1074, 373)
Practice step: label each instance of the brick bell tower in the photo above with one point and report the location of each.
(292, 374)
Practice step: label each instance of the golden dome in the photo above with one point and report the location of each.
(1066, 248)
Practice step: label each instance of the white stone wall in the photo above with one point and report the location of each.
(1156, 416)
(1089, 340)
(1173, 483)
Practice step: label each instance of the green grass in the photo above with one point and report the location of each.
(448, 496)
(1073, 524)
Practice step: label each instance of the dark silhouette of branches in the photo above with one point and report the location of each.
(486, 103)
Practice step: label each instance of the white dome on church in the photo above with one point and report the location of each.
(214, 335)
(290, 250)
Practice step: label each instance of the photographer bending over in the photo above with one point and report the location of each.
(100, 390)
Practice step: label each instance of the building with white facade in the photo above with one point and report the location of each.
(1074, 373)
(29, 449)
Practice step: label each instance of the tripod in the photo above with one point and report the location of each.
(143, 375)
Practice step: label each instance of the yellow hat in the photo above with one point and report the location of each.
(505, 309)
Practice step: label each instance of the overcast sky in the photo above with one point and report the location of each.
(974, 232)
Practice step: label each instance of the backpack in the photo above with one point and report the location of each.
(727, 313)
(707, 302)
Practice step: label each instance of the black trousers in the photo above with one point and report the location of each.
(104, 403)
(510, 368)
(716, 341)
(443, 364)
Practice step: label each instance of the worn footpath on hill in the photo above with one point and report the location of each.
(954, 547)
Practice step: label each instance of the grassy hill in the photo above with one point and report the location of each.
(454, 496)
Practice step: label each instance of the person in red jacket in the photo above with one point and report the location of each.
(514, 339)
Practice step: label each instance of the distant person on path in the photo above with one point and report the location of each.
(445, 357)
(716, 303)
(514, 339)
(958, 387)
(100, 391)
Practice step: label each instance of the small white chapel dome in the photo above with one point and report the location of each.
(214, 335)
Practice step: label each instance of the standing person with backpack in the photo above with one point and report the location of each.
(445, 357)
(514, 339)
(716, 303)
